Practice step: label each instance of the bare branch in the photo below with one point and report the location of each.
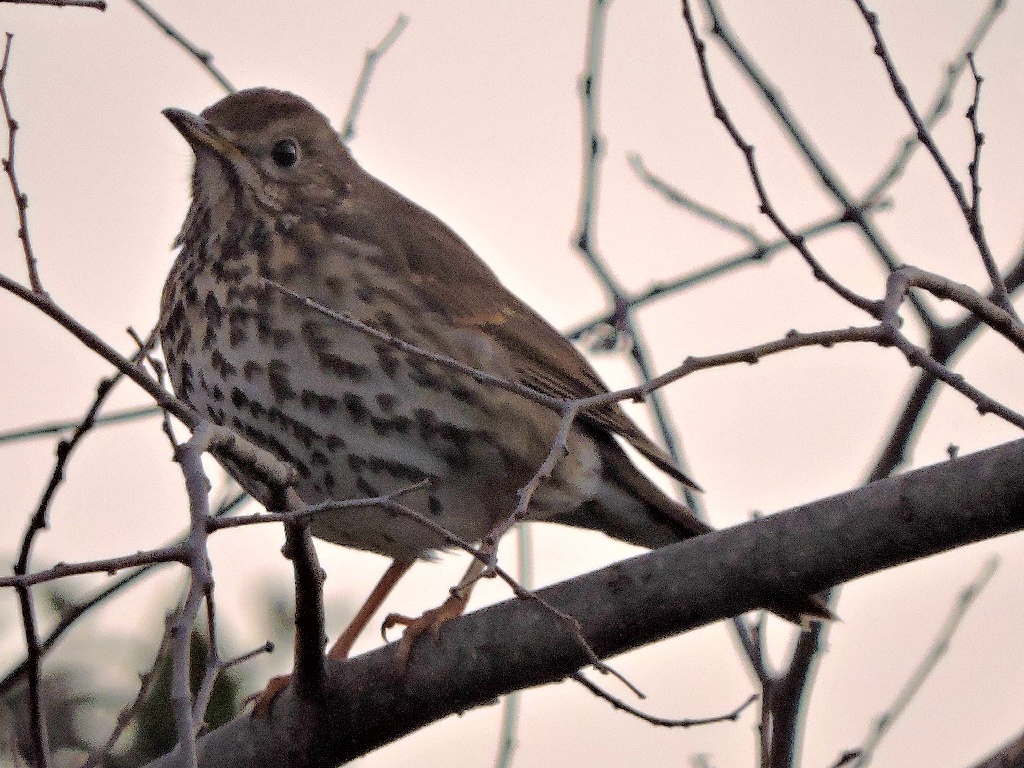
(968, 210)
(189, 457)
(621, 319)
(404, 346)
(686, 722)
(680, 198)
(654, 595)
(757, 255)
(58, 427)
(373, 56)
(927, 665)
(559, 449)
(510, 711)
(205, 58)
(20, 198)
(110, 565)
(99, 5)
(994, 316)
(594, 144)
(940, 102)
(722, 115)
(302, 515)
(832, 183)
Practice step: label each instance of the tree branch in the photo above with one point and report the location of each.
(517, 644)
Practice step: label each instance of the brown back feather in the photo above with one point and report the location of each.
(457, 282)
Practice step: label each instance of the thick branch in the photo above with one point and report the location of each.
(517, 644)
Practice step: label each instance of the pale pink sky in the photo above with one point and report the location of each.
(474, 114)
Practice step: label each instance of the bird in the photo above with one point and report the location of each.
(281, 209)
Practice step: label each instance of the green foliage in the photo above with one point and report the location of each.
(154, 733)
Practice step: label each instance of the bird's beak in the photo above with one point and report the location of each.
(197, 131)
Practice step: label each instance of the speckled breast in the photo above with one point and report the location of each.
(355, 416)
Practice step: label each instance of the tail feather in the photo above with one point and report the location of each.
(631, 508)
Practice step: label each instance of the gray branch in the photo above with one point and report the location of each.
(517, 644)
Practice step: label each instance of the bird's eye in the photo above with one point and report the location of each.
(285, 153)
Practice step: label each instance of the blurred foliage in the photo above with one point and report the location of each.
(153, 733)
(78, 719)
(82, 698)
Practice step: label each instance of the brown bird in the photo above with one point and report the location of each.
(277, 196)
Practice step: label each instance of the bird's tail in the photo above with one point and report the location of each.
(631, 508)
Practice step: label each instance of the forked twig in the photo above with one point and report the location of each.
(753, 169)
(968, 210)
(389, 502)
(687, 722)
(373, 55)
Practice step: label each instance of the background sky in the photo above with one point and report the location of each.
(475, 115)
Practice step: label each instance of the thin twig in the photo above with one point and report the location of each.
(476, 374)
(885, 334)
(593, 146)
(775, 102)
(938, 649)
(110, 565)
(750, 642)
(99, 5)
(510, 712)
(997, 318)
(127, 714)
(214, 665)
(388, 502)
(57, 427)
(373, 56)
(37, 720)
(940, 102)
(688, 722)
(845, 759)
(871, 201)
(203, 57)
(70, 614)
(20, 198)
(757, 255)
(267, 647)
(943, 346)
(308, 512)
(680, 198)
(924, 136)
(189, 457)
(558, 450)
(37, 523)
(47, 306)
(722, 115)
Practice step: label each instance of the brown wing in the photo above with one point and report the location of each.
(457, 282)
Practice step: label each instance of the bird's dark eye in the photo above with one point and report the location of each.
(285, 153)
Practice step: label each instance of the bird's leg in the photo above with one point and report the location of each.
(432, 620)
(343, 645)
(347, 639)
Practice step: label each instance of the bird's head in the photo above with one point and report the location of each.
(266, 148)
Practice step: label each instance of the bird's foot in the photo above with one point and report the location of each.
(430, 621)
(264, 700)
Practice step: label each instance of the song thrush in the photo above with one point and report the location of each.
(276, 195)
